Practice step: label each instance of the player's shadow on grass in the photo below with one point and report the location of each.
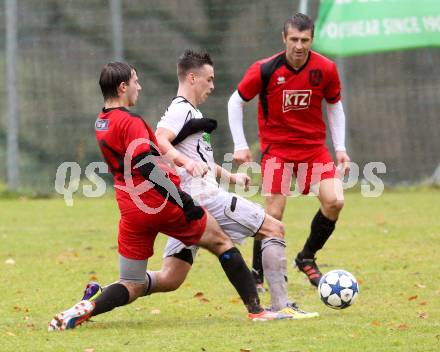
(163, 322)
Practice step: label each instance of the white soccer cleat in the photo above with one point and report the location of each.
(72, 317)
(266, 315)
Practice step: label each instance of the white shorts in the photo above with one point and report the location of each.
(238, 217)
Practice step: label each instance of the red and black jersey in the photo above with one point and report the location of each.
(290, 101)
(122, 134)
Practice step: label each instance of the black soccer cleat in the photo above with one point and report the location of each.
(310, 268)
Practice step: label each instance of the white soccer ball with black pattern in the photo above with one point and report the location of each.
(338, 289)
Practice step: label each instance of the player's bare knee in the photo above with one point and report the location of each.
(221, 243)
(272, 228)
(171, 285)
(276, 213)
(277, 228)
(215, 240)
(334, 206)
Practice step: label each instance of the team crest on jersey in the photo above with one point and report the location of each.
(296, 99)
(206, 137)
(102, 124)
(315, 77)
(281, 80)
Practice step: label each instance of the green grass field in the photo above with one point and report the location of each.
(49, 251)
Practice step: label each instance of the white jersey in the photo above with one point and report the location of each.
(196, 146)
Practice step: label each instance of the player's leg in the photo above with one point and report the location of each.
(330, 194)
(274, 261)
(241, 218)
(177, 262)
(135, 240)
(331, 198)
(171, 276)
(275, 182)
(132, 284)
(257, 266)
(194, 226)
(275, 205)
(233, 264)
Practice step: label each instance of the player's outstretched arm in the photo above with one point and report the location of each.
(164, 138)
(233, 178)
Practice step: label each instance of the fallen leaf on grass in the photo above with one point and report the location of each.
(10, 333)
(93, 278)
(422, 315)
(420, 286)
(201, 297)
(67, 256)
(424, 303)
(375, 323)
(235, 300)
(155, 311)
(412, 298)
(360, 281)
(10, 261)
(89, 350)
(17, 308)
(245, 350)
(381, 221)
(403, 327)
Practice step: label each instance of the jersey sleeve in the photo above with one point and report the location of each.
(136, 137)
(250, 84)
(175, 117)
(332, 91)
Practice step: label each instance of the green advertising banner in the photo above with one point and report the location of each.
(356, 27)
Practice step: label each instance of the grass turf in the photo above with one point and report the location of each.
(49, 251)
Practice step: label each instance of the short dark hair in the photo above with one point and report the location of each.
(301, 22)
(112, 75)
(191, 59)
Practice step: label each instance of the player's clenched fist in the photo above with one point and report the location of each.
(242, 156)
(196, 168)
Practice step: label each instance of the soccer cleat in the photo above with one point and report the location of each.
(92, 291)
(266, 315)
(72, 317)
(296, 313)
(310, 268)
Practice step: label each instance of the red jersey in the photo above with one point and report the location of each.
(116, 130)
(290, 101)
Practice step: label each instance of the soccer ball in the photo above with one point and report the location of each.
(338, 289)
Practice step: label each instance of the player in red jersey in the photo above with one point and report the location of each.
(150, 201)
(291, 86)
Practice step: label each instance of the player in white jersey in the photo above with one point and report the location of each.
(183, 135)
